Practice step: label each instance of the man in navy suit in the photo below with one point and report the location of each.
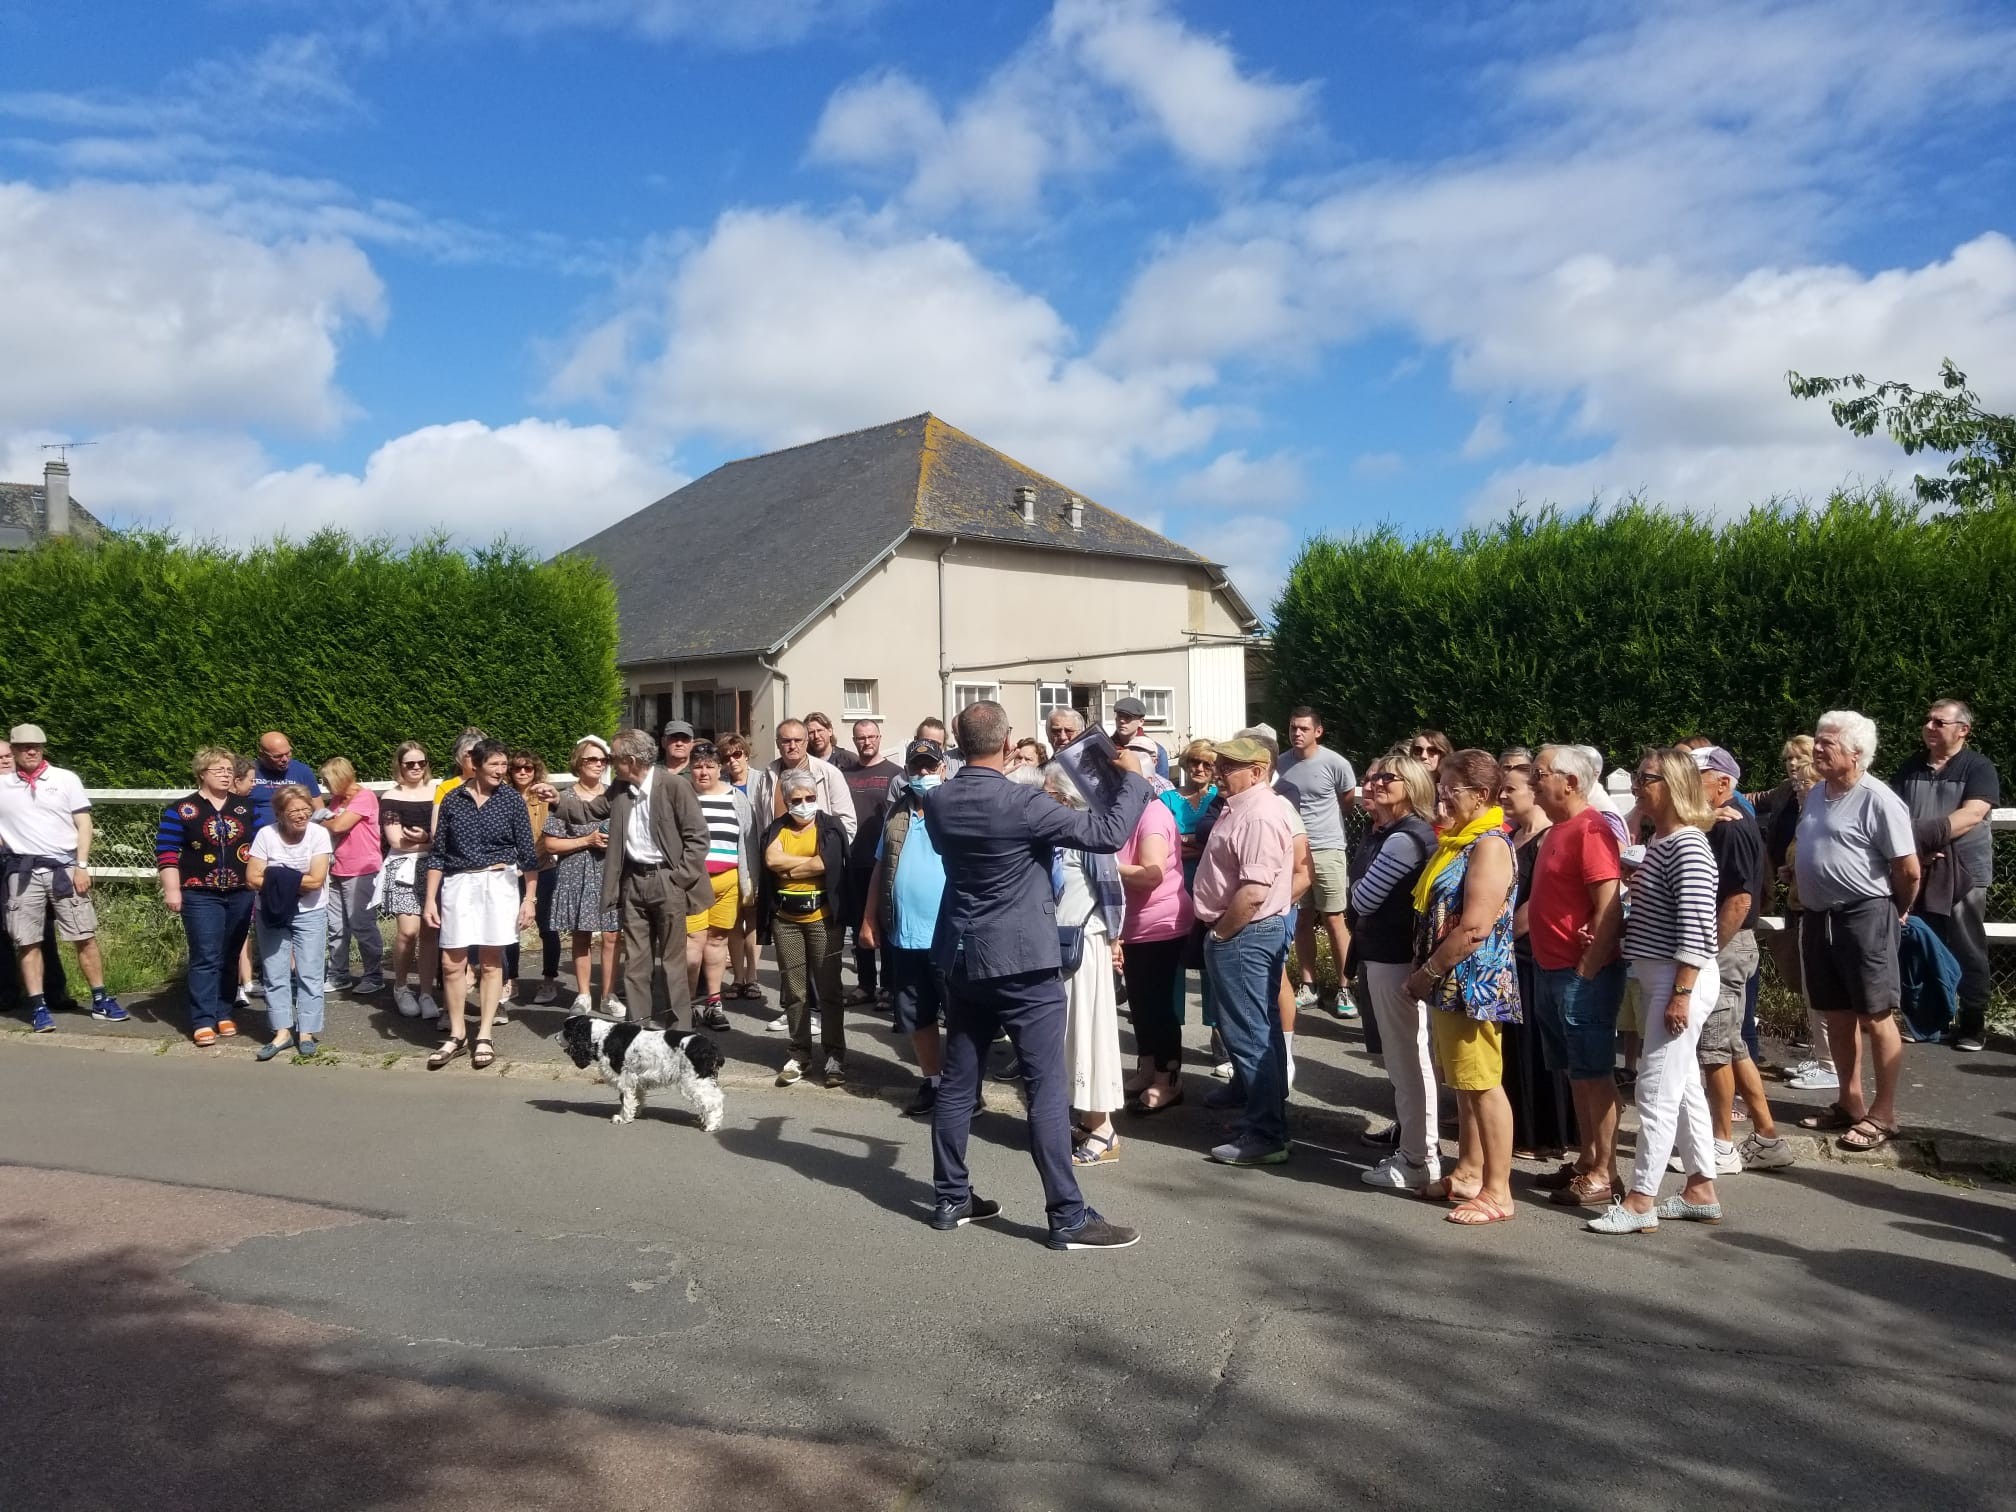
(996, 946)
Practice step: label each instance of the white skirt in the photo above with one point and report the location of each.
(479, 908)
(1092, 1027)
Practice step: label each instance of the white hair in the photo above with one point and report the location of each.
(798, 780)
(1579, 762)
(1064, 785)
(1027, 776)
(1857, 732)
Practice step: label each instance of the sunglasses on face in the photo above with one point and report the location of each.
(1380, 779)
(594, 761)
(421, 763)
(1421, 751)
(1934, 722)
(522, 766)
(1646, 779)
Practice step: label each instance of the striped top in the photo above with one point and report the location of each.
(1672, 912)
(724, 832)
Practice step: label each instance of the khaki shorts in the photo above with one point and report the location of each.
(1470, 1051)
(1330, 885)
(1722, 1031)
(727, 905)
(29, 903)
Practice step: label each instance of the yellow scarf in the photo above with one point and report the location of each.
(1453, 844)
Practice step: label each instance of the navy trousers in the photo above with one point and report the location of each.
(1029, 1009)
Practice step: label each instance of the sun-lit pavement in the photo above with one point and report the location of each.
(329, 1289)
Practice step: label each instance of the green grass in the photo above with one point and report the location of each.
(142, 941)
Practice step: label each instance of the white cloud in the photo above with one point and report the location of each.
(1254, 551)
(782, 327)
(1233, 479)
(1487, 437)
(1102, 76)
(124, 306)
(542, 482)
(1190, 86)
(1371, 466)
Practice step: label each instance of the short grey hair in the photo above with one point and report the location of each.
(798, 780)
(1961, 713)
(1857, 732)
(467, 741)
(1579, 762)
(634, 746)
(1028, 776)
(1064, 785)
(1070, 717)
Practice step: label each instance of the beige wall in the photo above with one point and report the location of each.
(1013, 617)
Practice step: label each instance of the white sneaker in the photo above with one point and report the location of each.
(1306, 997)
(429, 1009)
(1727, 1161)
(792, 1072)
(1291, 1073)
(244, 998)
(613, 1007)
(1813, 1077)
(1223, 1070)
(1618, 1219)
(583, 1004)
(405, 1002)
(548, 993)
(778, 1025)
(1761, 1154)
(1398, 1173)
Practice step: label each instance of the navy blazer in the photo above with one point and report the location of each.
(996, 839)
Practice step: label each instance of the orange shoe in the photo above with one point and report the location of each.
(225, 1028)
(204, 1038)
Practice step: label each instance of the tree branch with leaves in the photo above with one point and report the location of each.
(1948, 420)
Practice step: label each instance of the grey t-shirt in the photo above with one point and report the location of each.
(1846, 844)
(1315, 782)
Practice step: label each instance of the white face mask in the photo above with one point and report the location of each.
(803, 810)
(925, 782)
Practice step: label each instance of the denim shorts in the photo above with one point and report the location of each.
(1577, 1019)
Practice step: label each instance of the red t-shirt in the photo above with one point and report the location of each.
(1572, 855)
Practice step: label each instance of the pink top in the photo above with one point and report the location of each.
(1164, 912)
(1251, 842)
(361, 850)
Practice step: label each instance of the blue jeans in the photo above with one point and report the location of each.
(215, 925)
(1244, 972)
(290, 964)
(1577, 1019)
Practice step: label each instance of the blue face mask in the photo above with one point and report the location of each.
(924, 784)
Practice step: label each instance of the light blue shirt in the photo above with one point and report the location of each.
(920, 887)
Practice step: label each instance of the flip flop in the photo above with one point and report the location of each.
(1448, 1192)
(1476, 1212)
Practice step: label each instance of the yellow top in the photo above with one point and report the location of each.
(805, 842)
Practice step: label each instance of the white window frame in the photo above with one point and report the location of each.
(1167, 718)
(965, 695)
(1050, 697)
(848, 711)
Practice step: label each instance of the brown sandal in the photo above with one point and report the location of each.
(1867, 1137)
(1830, 1119)
(1477, 1211)
(450, 1049)
(482, 1055)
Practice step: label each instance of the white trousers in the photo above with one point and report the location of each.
(1672, 1107)
(1403, 1039)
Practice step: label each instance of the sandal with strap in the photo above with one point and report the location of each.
(1443, 1189)
(1097, 1149)
(450, 1049)
(482, 1055)
(1158, 1096)
(1866, 1137)
(1476, 1212)
(1830, 1119)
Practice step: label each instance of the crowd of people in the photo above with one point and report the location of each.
(1512, 930)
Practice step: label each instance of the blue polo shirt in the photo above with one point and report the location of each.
(920, 888)
(263, 783)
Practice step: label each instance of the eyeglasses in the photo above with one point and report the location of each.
(420, 763)
(1380, 779)
(1646, 779)
(1934, 722)
(523, 766)
(790, 740)
(594, 761)
(1421, 750)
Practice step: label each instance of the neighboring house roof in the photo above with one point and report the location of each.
(694, 575)
(23, 522)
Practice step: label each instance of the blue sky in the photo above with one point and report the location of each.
(1247, 272)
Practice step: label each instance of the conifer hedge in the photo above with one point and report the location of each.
(1639, 625)
(134, 653)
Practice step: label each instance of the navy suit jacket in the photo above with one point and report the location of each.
(996, 838)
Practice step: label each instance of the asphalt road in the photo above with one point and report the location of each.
(227, 1288)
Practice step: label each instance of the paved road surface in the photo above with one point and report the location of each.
(336, 1289)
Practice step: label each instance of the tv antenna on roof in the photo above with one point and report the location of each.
(64, 448)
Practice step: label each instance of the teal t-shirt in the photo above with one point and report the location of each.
(920, 888)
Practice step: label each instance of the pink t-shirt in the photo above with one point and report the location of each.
(1251, 842)
(1164, 913)
(361, 850)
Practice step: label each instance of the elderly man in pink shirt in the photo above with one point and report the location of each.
(1244, 879)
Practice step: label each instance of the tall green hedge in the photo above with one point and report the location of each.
(134, 653)
(1639, 625)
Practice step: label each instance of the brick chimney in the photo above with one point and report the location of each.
(56, 497)
(1025, 504)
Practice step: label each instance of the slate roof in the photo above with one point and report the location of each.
(693, 572)
(21, 510)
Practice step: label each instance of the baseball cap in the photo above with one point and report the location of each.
(27, 734)
(676, 727)
(1715, 759)
(1240, 751)
(1142, 746)
(1130, 708)
(927, 752)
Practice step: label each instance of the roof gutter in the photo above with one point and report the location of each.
(944, 661)
(777, 675)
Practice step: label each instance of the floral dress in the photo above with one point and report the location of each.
(1485, 983)
(577, 877)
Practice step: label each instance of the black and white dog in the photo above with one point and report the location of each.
(634, 1059)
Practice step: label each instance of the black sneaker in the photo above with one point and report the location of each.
(926, 1100)
(711, 1016)
(952, 1215)
(1095, 1233)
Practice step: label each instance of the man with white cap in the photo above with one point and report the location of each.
(45, 826)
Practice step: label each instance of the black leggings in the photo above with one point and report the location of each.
(1154, 975)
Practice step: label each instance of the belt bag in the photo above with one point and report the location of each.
(1070, 948)
(798, 905)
